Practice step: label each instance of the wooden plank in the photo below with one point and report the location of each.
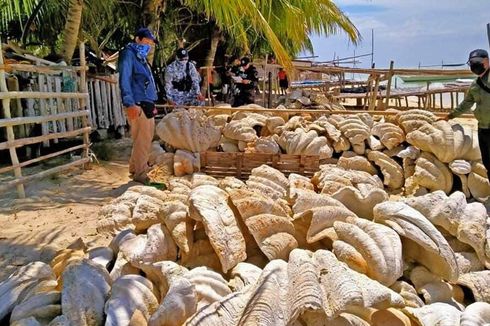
(41, 95)
(51, 107)
(240, 165)
(98, 105)
(42, 108)
(59, 103)
(93, 115)
(42, 158)
(105, 105)
(41, 119)
(399, 72)
(10, 130)
(23, 180)
(115, 107)
(83, 89)
(46, 70)
(388, 86)
(374, 95)
(28, 141)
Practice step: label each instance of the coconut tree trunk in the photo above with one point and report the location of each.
(72, 28)
(215, 38)
(152, 9)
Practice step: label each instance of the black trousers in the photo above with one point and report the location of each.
(484, 141)
(243, 98)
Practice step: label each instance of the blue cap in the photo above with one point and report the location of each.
(145, 32)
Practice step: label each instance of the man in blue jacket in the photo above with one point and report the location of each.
(138, 92)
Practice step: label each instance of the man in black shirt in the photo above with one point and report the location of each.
(246, 81)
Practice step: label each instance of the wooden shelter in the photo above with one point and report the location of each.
(61, 115)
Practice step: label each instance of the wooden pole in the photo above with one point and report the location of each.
(10, 129)
(42, 158)
(41, 95)
(28, 141)
(269, 101)
(83, 101)
(374, 95)
(42, 107)
(369, 88)
(20, 181)
(265, 77)
(388, 87)
(41, 119)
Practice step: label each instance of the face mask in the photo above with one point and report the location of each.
(143, 49)
(477, 68)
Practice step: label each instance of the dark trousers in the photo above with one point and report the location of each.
(243, 98)
(484, 141)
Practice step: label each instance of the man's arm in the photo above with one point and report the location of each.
(464, 106)
(125, 67)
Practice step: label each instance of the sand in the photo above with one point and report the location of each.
(58, 211)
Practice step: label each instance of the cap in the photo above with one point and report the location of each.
(478, 54)
(244, 61)
(182, 53)
(145, 32)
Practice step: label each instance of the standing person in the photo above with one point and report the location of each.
(478, 93)
(138, 92)
(182, 81)
(246, 81)
(283, 81)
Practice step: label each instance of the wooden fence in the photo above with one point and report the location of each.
(105, 102)
(375, 99)
(61, 115)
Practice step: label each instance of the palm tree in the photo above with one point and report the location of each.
(77, 19)
(285, 25)
(72, 28)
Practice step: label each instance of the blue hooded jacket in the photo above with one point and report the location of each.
(135, 78)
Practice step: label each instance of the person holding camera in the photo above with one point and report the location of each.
(139, 94)
(182, 81)
(246, 81)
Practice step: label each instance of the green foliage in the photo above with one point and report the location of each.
(258, 26)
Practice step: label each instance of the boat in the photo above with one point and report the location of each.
(430, 78)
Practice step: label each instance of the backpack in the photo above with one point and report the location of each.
(185, 84)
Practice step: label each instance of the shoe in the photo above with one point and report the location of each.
(141, 179)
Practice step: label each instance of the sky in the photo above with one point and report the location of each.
(410, 32)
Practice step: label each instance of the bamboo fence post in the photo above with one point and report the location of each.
(369, 89)
(42, 108)
(59, 102)
(83, 101)
(374, 95)
(10, 129)
(92, 104)
(52, 107)
(265, 77)
(388, 87)
(209, 74)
